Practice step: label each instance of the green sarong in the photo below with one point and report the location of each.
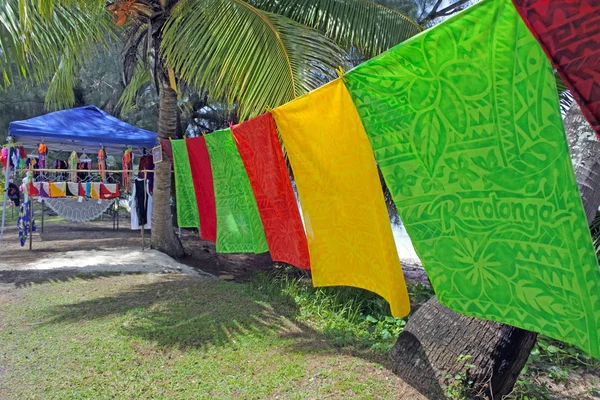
(239, 228)
(466, 128)
(187, 209)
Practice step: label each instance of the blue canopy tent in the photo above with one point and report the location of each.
(78, 129)
(81, 128)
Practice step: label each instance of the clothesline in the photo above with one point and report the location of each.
(457, 118)
(120, 171)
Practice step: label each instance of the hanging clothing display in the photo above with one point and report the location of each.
(43, 188)
(203, 187)
(259, 147)
(33, 190)
(73, 160)
(109, 191)
(14, 194)
(147, 164)
(4, 157)
(187, 207)
(239, 228)
(95, 190)
(465, 124)
(22, 157)
(102, 163)
(42, 152)
(72, 189)
(569, 33)
(58, 189)
(141, 206)
(24, 220)
(349, 233)
(127, 165)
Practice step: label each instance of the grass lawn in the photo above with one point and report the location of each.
(180, 337)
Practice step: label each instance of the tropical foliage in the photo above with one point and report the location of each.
(255, 54)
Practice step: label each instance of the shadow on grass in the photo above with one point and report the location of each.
(28, 278)
(186, 312)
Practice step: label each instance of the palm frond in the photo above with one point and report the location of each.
(368, 26)
(36, 49)
(140, 79)
(60, 91)
(246, 56)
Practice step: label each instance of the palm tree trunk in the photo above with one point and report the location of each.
(435, 336)
(163, 235)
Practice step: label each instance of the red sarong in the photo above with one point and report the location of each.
(260, 149)
(203, 187)
(569, 33)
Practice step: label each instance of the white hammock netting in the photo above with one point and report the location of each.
(76, 211)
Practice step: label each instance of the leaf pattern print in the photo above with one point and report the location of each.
(187, 208)
(472, 106)
(239, 228)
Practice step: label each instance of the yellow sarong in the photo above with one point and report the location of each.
(95, 192)
(58, 189)
(349, 234)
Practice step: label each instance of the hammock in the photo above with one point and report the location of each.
(75, 211)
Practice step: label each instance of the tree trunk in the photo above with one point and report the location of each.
(435, 336)
(585, 154)
(163, 235)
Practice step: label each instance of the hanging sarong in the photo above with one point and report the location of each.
(58, 189)
(44, 188)
(109, 191)
(95, 190)
(239, 228)
(73, 160)
(466, 128)
(88, 189)
(204, 187)
(102, 164)
(187, 207)
(33, 189)
(23, 222)
(569, 32)
(260, 150)
(126, 166)
(72, 189)
(349, 233)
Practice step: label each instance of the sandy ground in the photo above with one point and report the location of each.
(91, 247)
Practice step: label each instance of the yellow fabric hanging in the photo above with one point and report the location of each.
(95, 192)
(58, 189)
(349, 233)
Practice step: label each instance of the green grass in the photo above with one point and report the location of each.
(162, 336)
(151, 336)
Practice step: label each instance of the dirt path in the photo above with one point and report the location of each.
(69, 247)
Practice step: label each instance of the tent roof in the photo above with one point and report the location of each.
(80, 128)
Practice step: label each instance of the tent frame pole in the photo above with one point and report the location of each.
(6, 173)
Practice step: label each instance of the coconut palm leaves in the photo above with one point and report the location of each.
(37, 46)
(251, 53)
(368, 26)
(247, 56)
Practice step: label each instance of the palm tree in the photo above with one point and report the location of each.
(249, 53)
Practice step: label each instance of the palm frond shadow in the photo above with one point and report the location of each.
(199, 313)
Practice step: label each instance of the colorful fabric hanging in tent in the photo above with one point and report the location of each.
(259, 147)
(239, 228)
(24, 220)
(349, 233)
(569, 32)
(187, 208)
(58, 189)
(203, 186)
(466, 128)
